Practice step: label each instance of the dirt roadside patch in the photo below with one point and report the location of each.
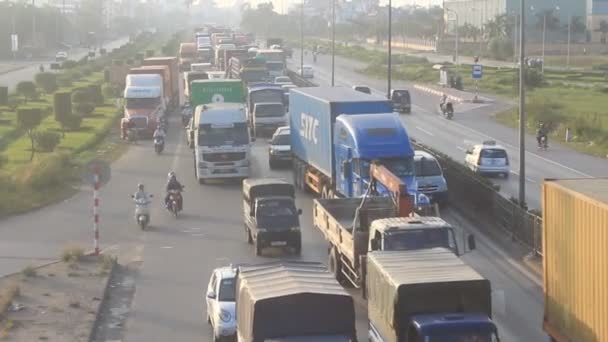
(55, 302)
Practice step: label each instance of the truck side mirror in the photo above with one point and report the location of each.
(299, 211)
(211, 295)
(471, 242)
(346, 168)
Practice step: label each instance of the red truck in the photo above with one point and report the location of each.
(172, 64)
(187, 55)
(161, 70)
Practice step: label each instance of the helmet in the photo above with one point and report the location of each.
(140, 186)
(171, 175)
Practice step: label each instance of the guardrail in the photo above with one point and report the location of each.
(474, 194)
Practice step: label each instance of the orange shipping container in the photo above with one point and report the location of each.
(162, 70)
(575, 248)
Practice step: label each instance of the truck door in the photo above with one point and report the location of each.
(343, 171)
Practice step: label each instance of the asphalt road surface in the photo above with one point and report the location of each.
(472, 124)
(179, 254)
(11, 79)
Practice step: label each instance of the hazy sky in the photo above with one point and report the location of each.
(287, 3)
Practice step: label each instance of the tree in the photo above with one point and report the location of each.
(499, 27)
(62, 107)
(469, 31)
(28, 119)
(577, 25)
(47, 81)
(27, 89)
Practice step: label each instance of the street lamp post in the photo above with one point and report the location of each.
(457, 36)
(302, 40)
(34, 23)
(522, 108)
(542, 66)
(569, 40)
(390, 43)
(333, 41)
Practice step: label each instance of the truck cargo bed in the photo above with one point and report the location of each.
(343, 210)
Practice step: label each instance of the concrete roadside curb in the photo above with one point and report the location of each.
(102, 302)
(434, 91)
(37, 267)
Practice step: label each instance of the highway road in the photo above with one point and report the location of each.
(179, 254)
(11, 79)
(472, 124)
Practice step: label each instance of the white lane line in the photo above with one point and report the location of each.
(461, 148)
(166, 247)
(425, 131)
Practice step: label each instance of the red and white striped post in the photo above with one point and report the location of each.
(95, 210)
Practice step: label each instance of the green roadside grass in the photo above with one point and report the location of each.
(568, 99)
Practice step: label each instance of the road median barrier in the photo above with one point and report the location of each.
(481, 198)
(299, 80)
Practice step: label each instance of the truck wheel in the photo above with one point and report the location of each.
(334, 265)
(258, 248)
(297, 248)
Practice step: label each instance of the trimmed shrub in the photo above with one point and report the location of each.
(86, 70)
(62, 107)
(73, 122)
(74, 75)
(139, 56)
(45, 171)
(28, 119)
(47, 81)
(534, 78)
(106, 76)
(81, 95)
(69, 64)
(3, 96)
(84, 109)
(64, 80)
(110, 91)
(46, 141)
(95, 94)
(149, 53)
(27, 89)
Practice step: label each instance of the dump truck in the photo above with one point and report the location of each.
(353, 227)
(292, 301)
(172, 64)
(427, 295)
(574, 240)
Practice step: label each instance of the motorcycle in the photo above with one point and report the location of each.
(543, 144)
(175, 198)
(447, 110)
(159, 144)
(142, 211)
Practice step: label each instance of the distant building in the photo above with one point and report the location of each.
(597, 11)
(479, 12)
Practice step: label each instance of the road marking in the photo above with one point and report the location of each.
(527, 179)
(198, 235)
(425, 131)
(503, 143)
(166, 247)
(461, 148)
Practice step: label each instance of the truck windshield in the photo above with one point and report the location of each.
(227, 290)
(275, 66)
(269, 111)
(142, 103)
(413, 239)
(463, 337)
(266, 95)
(216, 136)
(427, 167)
(276, 213)
(400, 167)
(281, 139)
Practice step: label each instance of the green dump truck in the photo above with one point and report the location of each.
(218, 90)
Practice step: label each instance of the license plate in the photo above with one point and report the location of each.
(225, 171)
(278, 243)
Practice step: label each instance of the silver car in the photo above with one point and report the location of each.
(221, 292)
(488, 158)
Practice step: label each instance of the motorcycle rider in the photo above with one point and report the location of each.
(173, 184)
(542, 132)
(141, 193)
(159, 133)
(444, 99)
(125, 125)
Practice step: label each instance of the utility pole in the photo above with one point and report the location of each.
(542, 66)
(522, 107)
(569, 39)
(333, 41)
(302, 40)
(390, 50)
(34, 23)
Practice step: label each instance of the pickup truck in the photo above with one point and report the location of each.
(353, 228)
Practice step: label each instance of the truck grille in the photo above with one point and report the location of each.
(427, 188)
(224, 157)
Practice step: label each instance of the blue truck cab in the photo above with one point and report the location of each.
(337, 132)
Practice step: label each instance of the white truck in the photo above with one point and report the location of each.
(147, 81)
(275, 61)
(222, 145)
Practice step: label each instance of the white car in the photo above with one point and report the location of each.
(362, 88)
(282, 80)
(221, 293)
(308, 72)
(279, 149)
(488, 158)
(61, 56)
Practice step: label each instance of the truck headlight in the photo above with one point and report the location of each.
(273, 151)
(225, 316)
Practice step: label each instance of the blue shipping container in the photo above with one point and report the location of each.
(312, 113)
